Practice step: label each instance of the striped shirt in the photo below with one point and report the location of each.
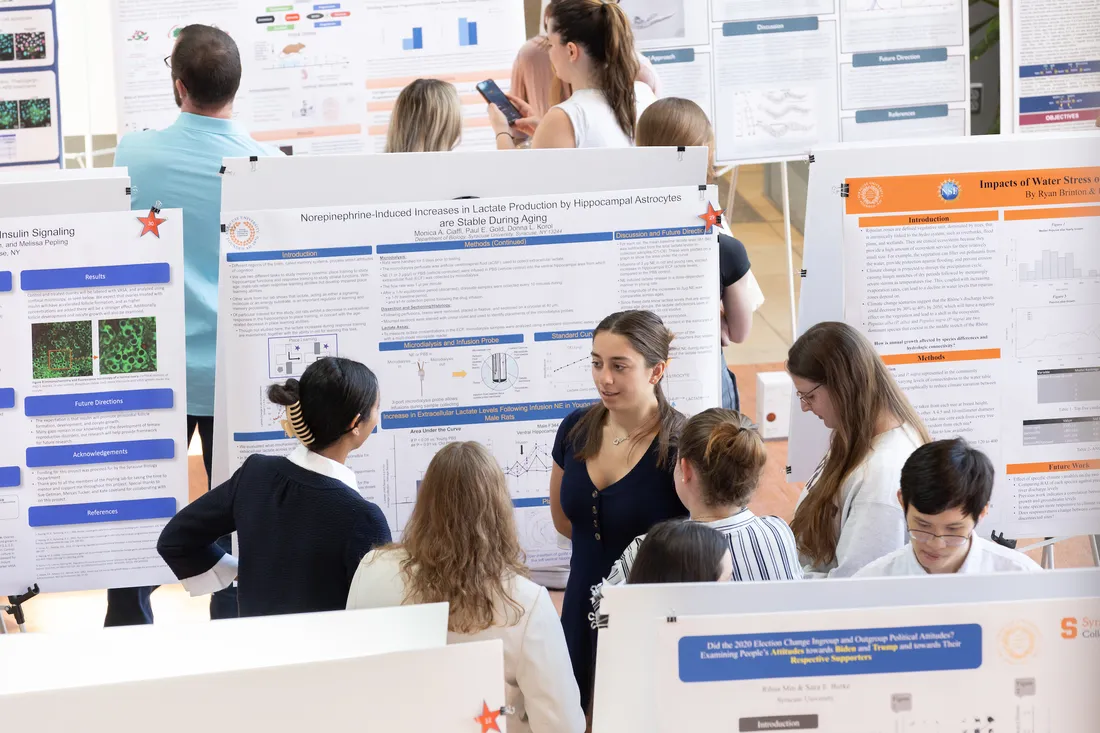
(762, 548)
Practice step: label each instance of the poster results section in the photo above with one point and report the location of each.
(981, 293)
(460, 42)
(92, 399)
(303, 68)
(1056, 58)
(1024, 666)
(30, 119)
(469, 315)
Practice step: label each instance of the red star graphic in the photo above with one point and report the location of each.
(712, 218)
(151, 223)
(488, 719)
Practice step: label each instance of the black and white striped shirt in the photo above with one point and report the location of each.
(762, 548)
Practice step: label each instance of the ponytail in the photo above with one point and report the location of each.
(603, 29)
(332, 394)
(728, 454)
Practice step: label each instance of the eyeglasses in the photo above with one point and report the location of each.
(950, 540)
(168, 61)
(804, 398)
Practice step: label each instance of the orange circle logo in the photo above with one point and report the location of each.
(1019, 642)
(870, 194)
(242, 232)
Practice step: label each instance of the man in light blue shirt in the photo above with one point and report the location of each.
(180, 167)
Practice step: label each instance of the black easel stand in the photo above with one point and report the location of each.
(16, 608)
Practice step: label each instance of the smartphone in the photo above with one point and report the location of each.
(492, 94)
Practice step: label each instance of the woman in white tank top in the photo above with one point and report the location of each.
(591, 49)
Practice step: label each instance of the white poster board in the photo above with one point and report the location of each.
(1055, 65)
(30, 111)
(973, 269)
(43, 192)
(444, 689)
(469, 312)
(1015, 665)
(353, 180)
(778, 78)
(637, 615)
(57, 660)
(94, 460)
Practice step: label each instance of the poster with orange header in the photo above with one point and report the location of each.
(979, 285)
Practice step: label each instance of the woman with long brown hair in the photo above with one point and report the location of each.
(591, 50)
(427, 118)
(460, 547)
(613, 463)
(849, 514)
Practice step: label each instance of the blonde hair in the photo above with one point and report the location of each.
(427, 117)
(461, 540)
(860, 388)
(728, 454)
(675, 122)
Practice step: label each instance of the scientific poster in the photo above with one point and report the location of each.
(1023, 666)
(1056, 57)
(92, 398)
(468, 312)
(981, 290)
(30, 118)
(304, 68)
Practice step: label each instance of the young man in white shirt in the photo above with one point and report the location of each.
(945, 490)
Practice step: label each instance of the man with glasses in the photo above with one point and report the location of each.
(945, 490)
(179, 167)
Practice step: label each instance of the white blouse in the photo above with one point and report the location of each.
(537, 672)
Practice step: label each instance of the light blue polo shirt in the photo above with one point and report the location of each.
(180, 167)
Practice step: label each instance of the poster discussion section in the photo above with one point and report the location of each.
(321, 77)
(30, 119)
(1026, 666)
(981, 290)
(476, 315)
(1056, 60)
(782, 76)
(92, 403)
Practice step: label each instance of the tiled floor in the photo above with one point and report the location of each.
(759, 225)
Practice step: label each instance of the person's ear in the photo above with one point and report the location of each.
(900, 500)
(354, 427)
(574, 51)
(981, 516)
(686, 470)
(181, 90)
(657, 373)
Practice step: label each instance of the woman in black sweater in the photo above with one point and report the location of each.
(302, 526)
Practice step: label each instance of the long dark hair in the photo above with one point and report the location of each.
(332, 392)
(679, 551)
(602, 28)
(861, 388)
(649, 336)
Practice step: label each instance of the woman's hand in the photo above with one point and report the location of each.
(528, 122)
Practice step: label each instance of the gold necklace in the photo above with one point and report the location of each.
(620, 441)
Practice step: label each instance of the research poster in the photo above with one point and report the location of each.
(92, 398)
(981, 291)
(1056, 57)
(303, 84)
(780, 77)
(1021, 666)
(462, 42)
(30, 115)
(477, 317)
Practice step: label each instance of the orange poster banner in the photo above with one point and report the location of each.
(934, 357)
(1017, 469)
(908, 220)
(992, 190)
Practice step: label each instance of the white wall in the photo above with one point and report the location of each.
(86, 59)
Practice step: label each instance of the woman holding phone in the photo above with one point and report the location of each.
(592, 50)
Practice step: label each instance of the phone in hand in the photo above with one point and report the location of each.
(492, 94)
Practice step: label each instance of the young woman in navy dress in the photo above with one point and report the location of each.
(613, 463)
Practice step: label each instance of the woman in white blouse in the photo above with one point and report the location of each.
(849, 515)
(460, 546)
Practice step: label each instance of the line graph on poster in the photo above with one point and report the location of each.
(1060, 330)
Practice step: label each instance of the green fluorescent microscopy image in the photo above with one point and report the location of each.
(61, 350)
(35, 113)
(128, 345)
(9, 115)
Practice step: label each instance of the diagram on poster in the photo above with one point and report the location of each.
(288, 356)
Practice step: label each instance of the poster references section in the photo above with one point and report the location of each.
(470, 314)
(1018, 666)
(30, 120)
(1056, 53)
(462, 42)
(92, 403)
(304, 68)
(984, 298)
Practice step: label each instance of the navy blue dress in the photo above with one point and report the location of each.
(604, 523)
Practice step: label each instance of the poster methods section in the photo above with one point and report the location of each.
(982, 292)
(92, 402)
(477, 317)
(981, 668)
(30, 120)
(1056, 57)
(778, 78)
